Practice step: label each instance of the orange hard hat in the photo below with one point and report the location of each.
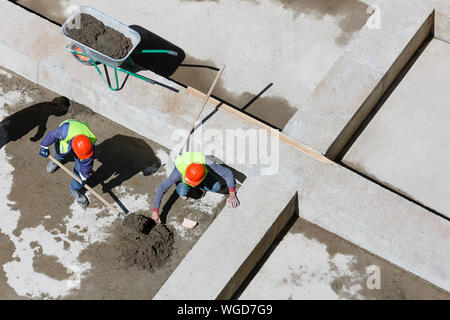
(82, 147)
(195, 173)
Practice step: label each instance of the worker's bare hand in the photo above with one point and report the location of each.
(233, 200)
(155, 217)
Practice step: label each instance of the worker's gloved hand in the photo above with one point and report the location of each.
(44, 152)
(233, 200)
(155, 216)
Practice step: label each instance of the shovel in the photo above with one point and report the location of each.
(86, 186)
(128, 218)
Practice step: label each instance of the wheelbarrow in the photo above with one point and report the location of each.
(90, 56)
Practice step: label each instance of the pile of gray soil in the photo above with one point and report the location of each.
(96, 35)
(151, 246)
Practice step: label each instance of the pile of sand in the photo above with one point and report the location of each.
(151, 246)
(96, 35)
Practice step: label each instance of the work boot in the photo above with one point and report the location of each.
(80, 197)
(52, 167)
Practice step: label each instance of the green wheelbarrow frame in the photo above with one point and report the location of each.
(116, 69)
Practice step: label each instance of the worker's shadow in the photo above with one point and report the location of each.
(19, 124)
(121, 158)
(160, 63)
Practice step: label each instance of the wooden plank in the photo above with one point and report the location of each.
(205, 101)
(252, 121)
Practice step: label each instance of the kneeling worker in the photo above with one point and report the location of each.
(72, 138)
(192, 170)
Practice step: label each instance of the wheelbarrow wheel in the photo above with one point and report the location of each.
(80, 58)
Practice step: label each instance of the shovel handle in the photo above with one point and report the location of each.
(70, 173)
(204, 103)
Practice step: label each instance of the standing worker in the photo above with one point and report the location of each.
(72, 138)
(193, 169)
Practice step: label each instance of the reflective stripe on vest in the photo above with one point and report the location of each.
(184, 160)
(75, 128)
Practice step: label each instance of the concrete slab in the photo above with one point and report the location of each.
(371, 217)
(230, 248)
(339, 201)
(311, 263)
(371, 61)
(404, 145)
(306, 76)
(304, 39)
(442, 26)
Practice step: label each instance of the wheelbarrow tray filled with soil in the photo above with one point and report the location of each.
(110, 43)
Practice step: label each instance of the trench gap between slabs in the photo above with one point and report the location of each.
(398, 69)
(365, 122)
(396, 192)
(266, 255)
(372, 114)
(36, 13)
(383, 99)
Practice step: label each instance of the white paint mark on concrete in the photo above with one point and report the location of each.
(14, 97)
(4, 73)
(207, 203)
(133, 202)
(181, 231)
(301, 268)
(20, 273)
(9, 219)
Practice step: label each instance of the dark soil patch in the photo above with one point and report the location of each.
(138, 223)
(50, 266)
(96, 35)
(151, 247)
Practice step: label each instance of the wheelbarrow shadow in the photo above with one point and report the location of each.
(163, 64)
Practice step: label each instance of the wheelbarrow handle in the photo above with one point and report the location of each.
(173, 53)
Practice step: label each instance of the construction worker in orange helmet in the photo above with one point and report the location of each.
(194, 170)
(72, 138)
